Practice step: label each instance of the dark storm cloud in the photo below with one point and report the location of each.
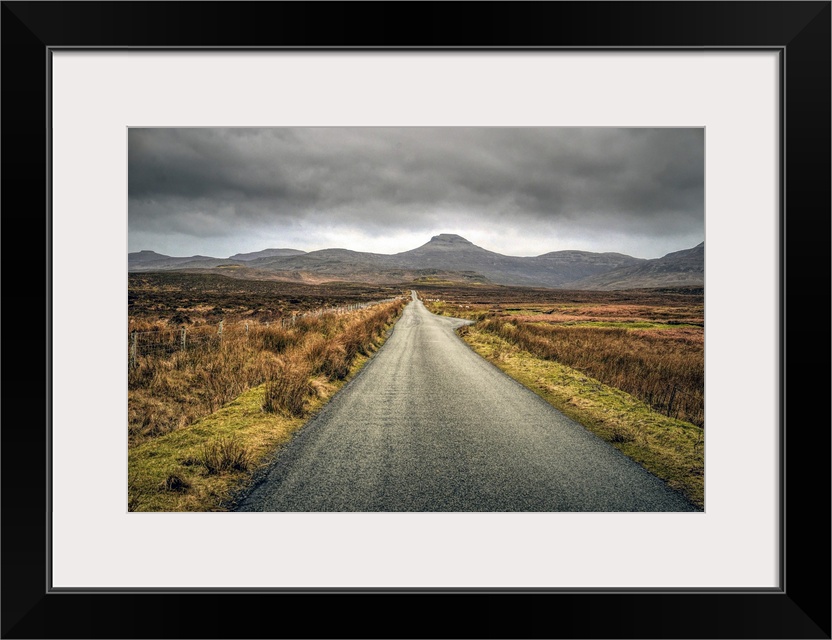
(210, 183)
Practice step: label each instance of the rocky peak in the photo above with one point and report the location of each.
(449, 238)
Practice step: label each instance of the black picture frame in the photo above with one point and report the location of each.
(800, 31)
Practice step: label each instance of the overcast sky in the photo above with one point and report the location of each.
(517, 191)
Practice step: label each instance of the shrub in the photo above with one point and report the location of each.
(314, 350)
(275, 339)
(335, 366)
(286, 392)
(224, 454)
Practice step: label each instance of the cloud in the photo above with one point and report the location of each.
(212, 186)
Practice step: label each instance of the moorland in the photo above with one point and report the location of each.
(223, 370)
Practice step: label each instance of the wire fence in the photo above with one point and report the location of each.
(166, 341)
(675, 402)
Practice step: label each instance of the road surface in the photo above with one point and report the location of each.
(429, 425)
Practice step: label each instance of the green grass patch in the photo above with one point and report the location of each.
(442, 308)
(671, 449)
(201, 466)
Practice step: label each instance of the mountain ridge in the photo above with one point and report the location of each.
(677, 268)
(265, 253)
(448, 257)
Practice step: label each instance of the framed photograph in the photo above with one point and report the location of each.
(97, 93)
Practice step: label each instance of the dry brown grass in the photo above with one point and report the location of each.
(208, 297)
(649, 343)
(168, 391)
(223, 455)
(289, 387)
(664, 368)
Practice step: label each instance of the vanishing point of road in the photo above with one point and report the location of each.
(429, 425)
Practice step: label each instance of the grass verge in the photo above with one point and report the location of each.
(671, 449)
(201, 466)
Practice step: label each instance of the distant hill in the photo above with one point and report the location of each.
(451, 258)
(144, 257)
(452, 252)
(152, 261)
(266, 253)
(573, 265)
(680, 268)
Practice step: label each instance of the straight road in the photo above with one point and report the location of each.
(429, 425)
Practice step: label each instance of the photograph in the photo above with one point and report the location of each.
(416, 319)
(415, 308)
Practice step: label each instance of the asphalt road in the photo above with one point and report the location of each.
(428, 425)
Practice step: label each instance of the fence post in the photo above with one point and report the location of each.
(246, 329)
(133, 349)
(183, 337)
(670, 402)
(219, 331)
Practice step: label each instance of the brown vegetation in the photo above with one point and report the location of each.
(487, 297)
(649, 343)
(224, 454)
(193, 298)
(170, 387)
(665, 369)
